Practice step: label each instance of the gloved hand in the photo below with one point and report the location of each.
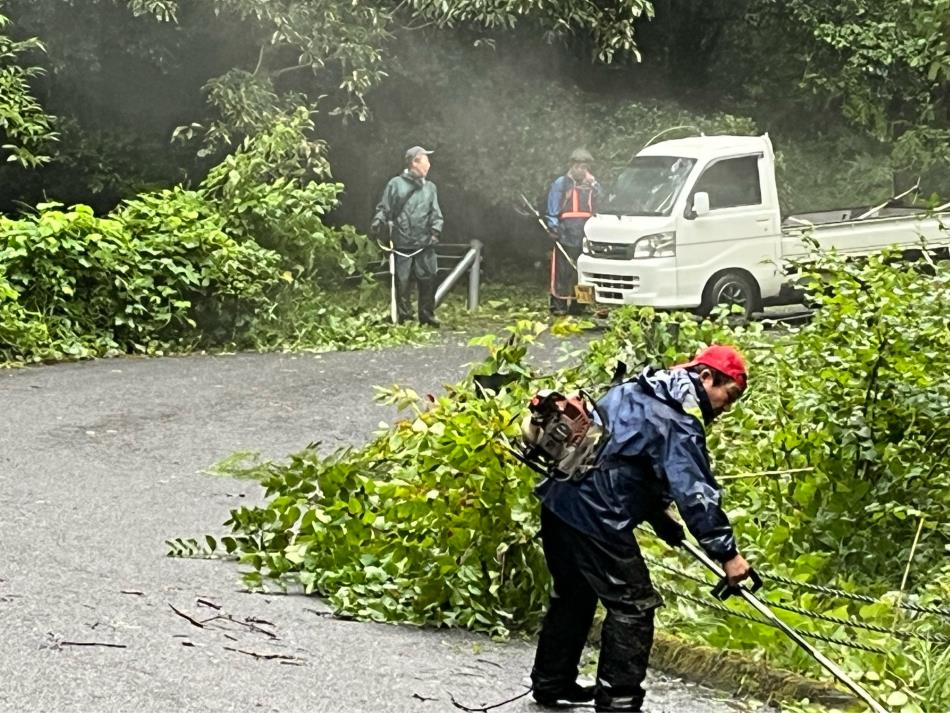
(736, 570)
(434, 239)
(668, 529)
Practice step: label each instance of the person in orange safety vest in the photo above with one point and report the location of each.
(572, 199)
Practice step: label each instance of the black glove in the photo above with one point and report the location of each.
(668, 529)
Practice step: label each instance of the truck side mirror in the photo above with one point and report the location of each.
(700, 204)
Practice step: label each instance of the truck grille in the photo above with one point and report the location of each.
(610, 287)
(610, 251)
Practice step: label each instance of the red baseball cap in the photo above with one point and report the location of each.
(721, 358)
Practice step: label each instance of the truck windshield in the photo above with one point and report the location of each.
(649, 186)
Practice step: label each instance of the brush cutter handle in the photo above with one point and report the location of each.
(763, 609)
(723, 590)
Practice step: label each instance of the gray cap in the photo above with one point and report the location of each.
(581, 156)
(416, 151)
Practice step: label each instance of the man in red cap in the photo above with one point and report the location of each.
(655, 456)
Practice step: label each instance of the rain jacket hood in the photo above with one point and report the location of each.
(655, 455)
(678, 386)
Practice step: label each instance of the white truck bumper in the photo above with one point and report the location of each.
(649, 283)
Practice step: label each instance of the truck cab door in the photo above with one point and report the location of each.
(739, 234)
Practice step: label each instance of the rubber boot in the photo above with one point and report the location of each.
(626, 642)
(560, 645)
(573, 693)
(427, 287)
(403, 289)
(568, 619)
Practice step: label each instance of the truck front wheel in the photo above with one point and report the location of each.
(732, 288)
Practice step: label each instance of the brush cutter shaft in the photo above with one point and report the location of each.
(765, 611)
(393, 309)
(545, 228)
(567, 257)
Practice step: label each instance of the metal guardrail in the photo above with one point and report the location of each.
(471, 263)
(458, 263)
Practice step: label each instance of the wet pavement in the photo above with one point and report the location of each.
(101, 462)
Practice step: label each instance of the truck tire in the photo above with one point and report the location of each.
(732, 288)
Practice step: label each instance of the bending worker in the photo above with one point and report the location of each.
(409, 216)
(572, 199)
(656, 455)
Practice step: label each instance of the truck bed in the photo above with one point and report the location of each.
(864, 230)
(845, 215)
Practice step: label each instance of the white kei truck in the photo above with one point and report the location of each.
(694, 223)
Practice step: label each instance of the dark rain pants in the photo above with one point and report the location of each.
(424, 267)
(563, 274)
(585, 570)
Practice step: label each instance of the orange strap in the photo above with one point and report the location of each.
(576, 211)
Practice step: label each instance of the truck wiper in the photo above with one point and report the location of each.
(631, 213)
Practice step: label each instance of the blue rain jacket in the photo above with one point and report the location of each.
(656, 455)
(559, 200)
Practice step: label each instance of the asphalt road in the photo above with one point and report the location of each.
(100, 463)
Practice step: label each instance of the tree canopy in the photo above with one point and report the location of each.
(24, 127)
(866, 79)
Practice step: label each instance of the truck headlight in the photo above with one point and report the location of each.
(585, 246)
(656, 245)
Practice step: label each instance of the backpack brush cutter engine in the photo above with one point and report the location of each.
(560, 437)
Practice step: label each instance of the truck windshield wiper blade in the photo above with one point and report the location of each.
(631, 213)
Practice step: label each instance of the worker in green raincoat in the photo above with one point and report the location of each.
(409, 219)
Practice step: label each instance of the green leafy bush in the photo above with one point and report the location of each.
(128, 282)
(266, 192)
(834, 459)
(431, 524)
(216, 282)
(26, 130)
(880, 448)
(20, 332)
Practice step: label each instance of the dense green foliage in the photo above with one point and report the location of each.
(854, 94)
(123, 74)
(25, 129)
(268, 193)
(433, 522)
(345, 40)
(850, 418)
(430, 524)
(78, 285)
(890, 64)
